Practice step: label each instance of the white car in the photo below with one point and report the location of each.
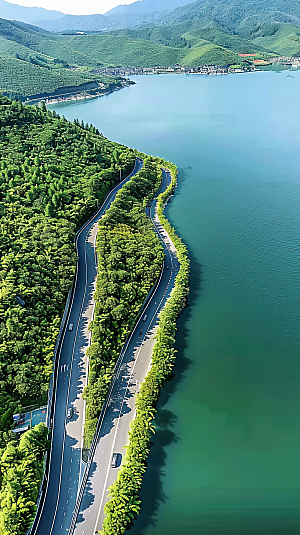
(71, 326)
(70, 412)
(145, 317)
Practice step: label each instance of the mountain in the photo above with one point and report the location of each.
(146, 6)
(140, 12)
(83, 23)
(236, 15)
(30, 15)
(35, 62)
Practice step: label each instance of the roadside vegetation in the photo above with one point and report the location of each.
(52, 175)
(124, 505)
(21, 472)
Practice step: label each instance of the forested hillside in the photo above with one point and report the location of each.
(52, 173)
(236, 14)
(34, 62)
(264, 40)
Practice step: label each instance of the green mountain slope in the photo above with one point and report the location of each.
(283, 38)
(235, 43)
(122, 50)
(20, 79)
(236, 14)
(35, 62)
(209, 54)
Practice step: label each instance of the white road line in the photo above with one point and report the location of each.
(114, 440)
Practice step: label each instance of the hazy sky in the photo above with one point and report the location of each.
(75, 7)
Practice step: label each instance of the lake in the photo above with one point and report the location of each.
(225, 456)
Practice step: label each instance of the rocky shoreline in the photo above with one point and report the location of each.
(79, 94)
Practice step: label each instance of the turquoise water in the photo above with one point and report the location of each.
(225, 457)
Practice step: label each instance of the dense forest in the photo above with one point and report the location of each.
(235, 15)
(52, 174)
(21, 471)
(130, 257)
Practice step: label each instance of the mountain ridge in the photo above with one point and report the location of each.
(29, 15)
(140, 12)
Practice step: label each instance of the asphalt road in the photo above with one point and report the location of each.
(113, 435)
(65, 469)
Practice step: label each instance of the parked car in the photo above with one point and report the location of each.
(71, 326)
(116, 460)
(70, 412)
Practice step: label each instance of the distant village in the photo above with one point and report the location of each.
(203, 69)
(294, 61)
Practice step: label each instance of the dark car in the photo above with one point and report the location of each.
(116, 460)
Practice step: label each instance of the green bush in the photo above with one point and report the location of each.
(22, 468)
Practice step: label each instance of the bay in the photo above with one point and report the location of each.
(225, 457)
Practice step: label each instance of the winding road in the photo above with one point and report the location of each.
(66, 469)
(136, 361)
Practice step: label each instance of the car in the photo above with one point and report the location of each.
(116, 460)
(141, 333)
(167, 267)
(70, 412)
(20, 422)
(145, 317)
(71, 326)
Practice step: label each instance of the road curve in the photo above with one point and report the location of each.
(58, 500)
(120, 411)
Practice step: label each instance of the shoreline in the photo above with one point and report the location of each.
(208, 70)
(77, 95)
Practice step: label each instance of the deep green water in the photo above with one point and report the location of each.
(226, 453)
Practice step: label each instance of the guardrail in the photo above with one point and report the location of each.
(53, 378)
